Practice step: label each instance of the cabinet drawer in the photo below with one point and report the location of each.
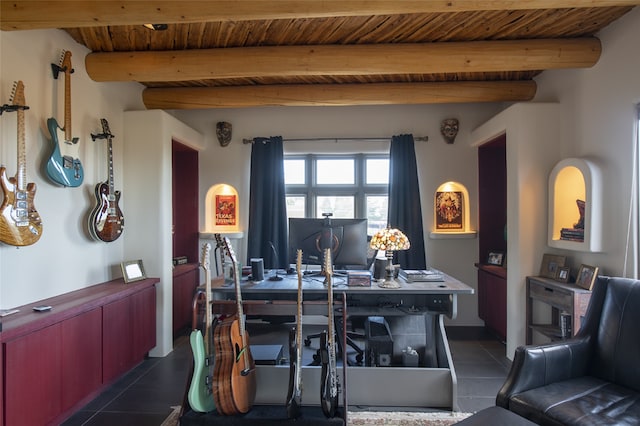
(554, 297)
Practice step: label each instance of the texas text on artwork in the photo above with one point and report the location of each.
(225, 210)
(449, 210)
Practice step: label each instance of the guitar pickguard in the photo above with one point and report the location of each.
(62, 168)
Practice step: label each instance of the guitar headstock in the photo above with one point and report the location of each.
(328, 263)
(65, 62)
(17, 94)
(299, 264)
(204, 260)
(105, 127)
(229, 249)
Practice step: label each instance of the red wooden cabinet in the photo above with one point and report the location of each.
(143, 309)
(81, 357)
(117, 338)
(53, 362)
(185, 280)
(492, 298)
(33, 378)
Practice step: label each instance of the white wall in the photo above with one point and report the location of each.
(592, 114)
(64, 258)
(437, 161)
(598, 112)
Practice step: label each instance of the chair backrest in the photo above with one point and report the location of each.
(616, 329)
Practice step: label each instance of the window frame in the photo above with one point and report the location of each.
(360, 190)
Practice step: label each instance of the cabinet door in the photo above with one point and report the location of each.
(117, 339)
(184, 287)
(81, 357)
(33, 377)
(144, 320)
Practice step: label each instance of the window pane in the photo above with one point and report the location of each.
(294, 172)
(341, 207)
(295, 205)
(377, 206)
(335, 172)
(377, 171)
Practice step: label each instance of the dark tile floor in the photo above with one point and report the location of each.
(143, 397)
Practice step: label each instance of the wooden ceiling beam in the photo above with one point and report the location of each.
(384, 59)
(33, 14)
(338, 94)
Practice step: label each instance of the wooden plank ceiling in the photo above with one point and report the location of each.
(220, 54)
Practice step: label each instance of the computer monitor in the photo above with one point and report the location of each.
(348, 245)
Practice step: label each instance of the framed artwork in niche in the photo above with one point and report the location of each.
(449, 210)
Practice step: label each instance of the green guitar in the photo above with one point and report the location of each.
(200, 392)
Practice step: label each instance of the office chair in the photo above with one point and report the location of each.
(356, 322)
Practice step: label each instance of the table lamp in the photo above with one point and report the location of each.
(389, 240)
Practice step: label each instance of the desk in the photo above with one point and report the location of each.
(411, 298)
(415, 312)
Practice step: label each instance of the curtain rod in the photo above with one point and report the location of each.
(336, 140)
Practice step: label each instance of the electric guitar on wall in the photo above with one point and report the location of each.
(106, 221)
(200, 391)
(329, 374)
(20, 223)
(63, 167)
(234, 373)
(294, 397)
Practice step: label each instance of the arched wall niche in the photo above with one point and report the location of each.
(451, 218)
(572, 181)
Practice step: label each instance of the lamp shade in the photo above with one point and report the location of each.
(390, 239)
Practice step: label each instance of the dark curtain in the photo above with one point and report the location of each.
(267, 235)
(405, 212)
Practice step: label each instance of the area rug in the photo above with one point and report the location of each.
(357, 418)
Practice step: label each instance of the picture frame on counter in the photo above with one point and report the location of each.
(550, 265)
(132, 270)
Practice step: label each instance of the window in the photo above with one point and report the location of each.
(349, 186)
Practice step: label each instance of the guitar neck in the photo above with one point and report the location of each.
(67, 105)
(236, 277)
(329, 273)
(110, 165)
(21, 175)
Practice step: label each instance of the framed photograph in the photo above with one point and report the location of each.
(496, 258)
(586, 276)
(550, 265)
(132, 271)
(562, 274)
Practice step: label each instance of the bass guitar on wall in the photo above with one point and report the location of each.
(106, 221)
(64, 167)
(20, 223)
(234, 373)
(328, 374)
(200, 392)
(294, 396)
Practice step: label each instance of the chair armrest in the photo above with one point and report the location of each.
(536, 366)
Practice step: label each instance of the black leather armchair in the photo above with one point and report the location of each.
(590, 379)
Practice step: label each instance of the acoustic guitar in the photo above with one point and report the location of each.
(234, 374)
(328, 374)
(200, 393)
(63, 166)
(106, 221)
(20, 223)
(294, 396)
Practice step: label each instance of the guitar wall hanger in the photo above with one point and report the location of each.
(101, 136)
(12, 108)
(55, 68)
